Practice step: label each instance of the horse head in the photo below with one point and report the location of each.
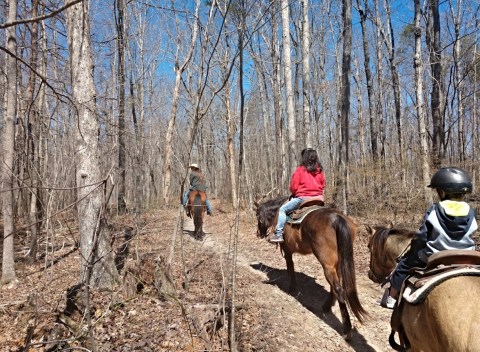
(266, 213)
(386, 244)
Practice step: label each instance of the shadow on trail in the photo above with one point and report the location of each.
(312, 296)
(192, 234)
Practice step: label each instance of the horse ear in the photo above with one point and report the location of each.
(390, 225)
(369, 229)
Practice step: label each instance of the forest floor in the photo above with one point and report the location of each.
(143, 314)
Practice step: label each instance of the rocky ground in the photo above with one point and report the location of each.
(191, 309)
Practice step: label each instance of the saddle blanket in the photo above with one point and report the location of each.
(415, 295)
(297, 216)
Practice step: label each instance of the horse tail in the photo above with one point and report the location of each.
(347, 266)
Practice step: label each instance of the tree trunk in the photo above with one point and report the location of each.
(306, 74)
(8, 263)
(287, 69)
(368, 77)
(396, 91)
(121, 196)
(417, 64)
(281, 173)
(379, 97)
(98, 267)
(179, 69)
(437, 95)
(457, 21)
(345, 100)
(33, 128)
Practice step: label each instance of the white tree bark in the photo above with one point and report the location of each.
(97, 262)
(417, 64)
(179, 69)
(306, 74)
(287, 69)
(8, 262)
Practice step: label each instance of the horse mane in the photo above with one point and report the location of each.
(267, 210)
(382, 233)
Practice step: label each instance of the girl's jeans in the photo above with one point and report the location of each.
(289, 206)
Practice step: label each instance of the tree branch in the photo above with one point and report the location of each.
(40, 18)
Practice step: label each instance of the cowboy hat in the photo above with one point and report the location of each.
(194, 166)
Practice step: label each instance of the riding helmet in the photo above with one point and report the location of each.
(452, 180)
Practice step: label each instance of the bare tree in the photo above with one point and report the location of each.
(97, 261)
(344, 147)
(179, 69)
(390, 43)
(417, 64)
(121, 203)
(277, 98)
(287, 69)
(437, 93)
(368, 77)
(32, 123)
(306, 73)
(8, 263)
(457, 21)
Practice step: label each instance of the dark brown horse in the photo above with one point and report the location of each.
(447, 320)
(196, 207)
(329, 235)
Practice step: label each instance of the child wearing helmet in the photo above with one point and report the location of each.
(197, 183)
(448, 224)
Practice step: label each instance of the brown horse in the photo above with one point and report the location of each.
(329, 235)
(385, 248)
(196, 207)
(447, 320)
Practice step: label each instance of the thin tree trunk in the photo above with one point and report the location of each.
(179, 69)
(435, 49)
(262, 86)
(306, 74)
(287, 69)
(417, 64)
(8, 263)
(345, 100)
(396, 90)
(369, 79)
(33, 129)
(379, 98)
(361, 123)
(475, 147)
(457, 21)
(121, 196)
(281, 173)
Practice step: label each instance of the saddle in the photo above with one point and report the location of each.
(440, 267)
(306, 207)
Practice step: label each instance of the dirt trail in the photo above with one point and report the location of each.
(268, 318)
(296, 323)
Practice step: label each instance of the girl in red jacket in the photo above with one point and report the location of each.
(308, 181)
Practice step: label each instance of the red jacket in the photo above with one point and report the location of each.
(307, 184)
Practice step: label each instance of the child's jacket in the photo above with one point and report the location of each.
(447, 225)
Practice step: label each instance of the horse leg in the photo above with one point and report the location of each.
(337, 293)
(327, 306)
(347, 324)
(290, 271)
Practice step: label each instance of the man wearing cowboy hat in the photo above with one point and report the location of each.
(197, 183)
